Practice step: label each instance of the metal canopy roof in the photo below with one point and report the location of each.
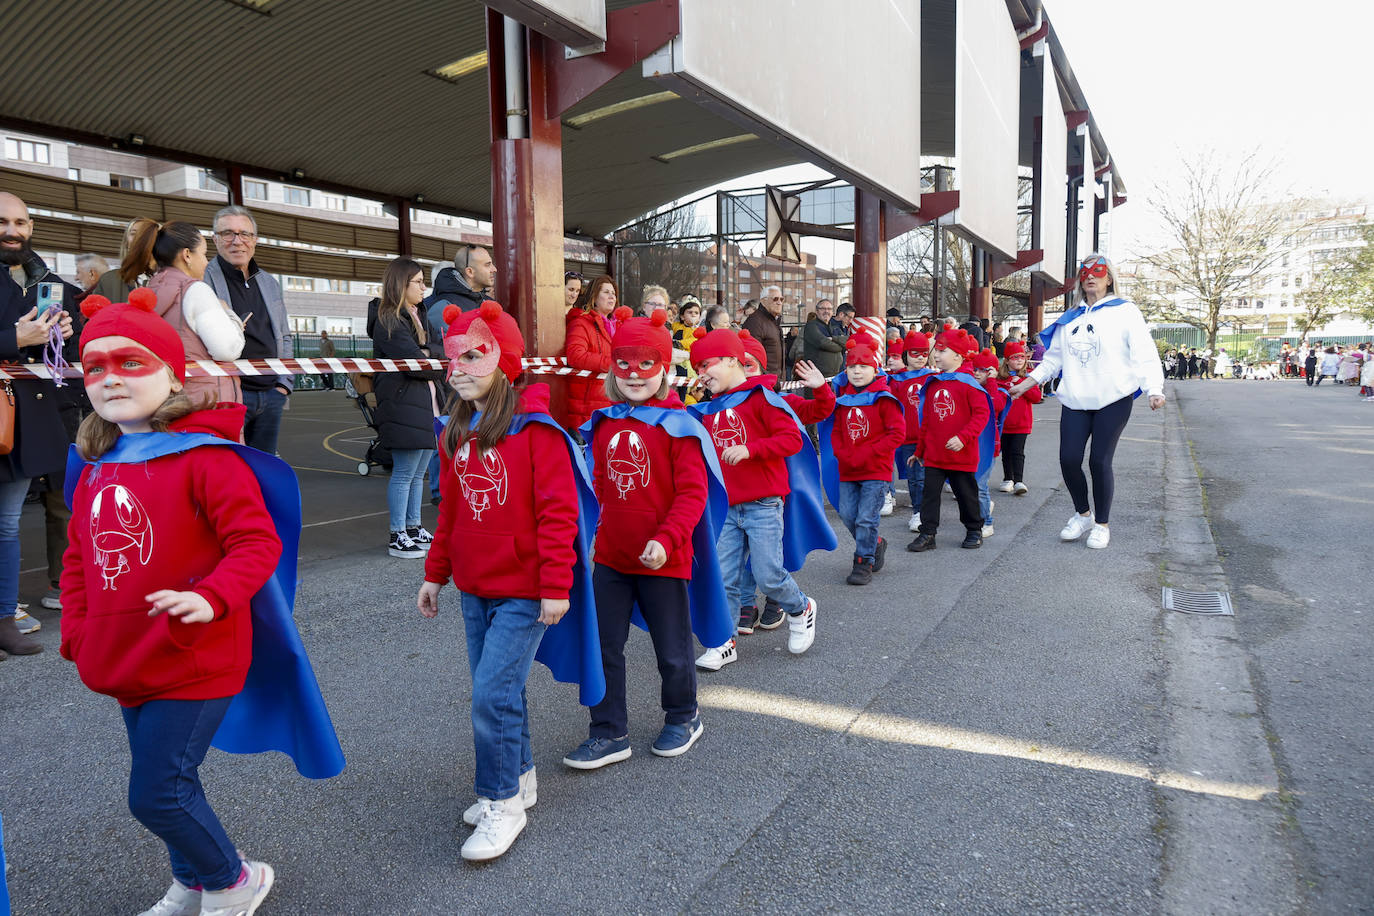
(343, 91)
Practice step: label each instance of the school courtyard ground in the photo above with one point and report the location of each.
(1016, 729)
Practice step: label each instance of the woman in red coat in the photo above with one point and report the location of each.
(588, 346)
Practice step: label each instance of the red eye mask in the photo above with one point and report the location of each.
(635, 356)
(125, 362)
(1095, 268)
(477, 337)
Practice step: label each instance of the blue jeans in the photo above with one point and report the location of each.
(752, 535)
(167, 742)
(915, 474)
(861, 502)
(748, 587)
(11, 508)
(502, 636)
(263, 422)
(434, 473)
(406, 487)
(984, 498)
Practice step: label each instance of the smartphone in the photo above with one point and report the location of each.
(49, 297)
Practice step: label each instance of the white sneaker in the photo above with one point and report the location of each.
(801, 628)
(528, 795)
(1077, 527)
(1021, 489)
(1007, 486)
(719, 657)
(915, 523)
(889, 505)
(25, 621)
(501, 822)
(242, 900)
(987, 531)
(1099, 537)
(179, 900)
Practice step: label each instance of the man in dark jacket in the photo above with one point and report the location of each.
(464, 284)
(766, 326)
(823, 340)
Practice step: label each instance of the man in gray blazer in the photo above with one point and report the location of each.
(255, 296)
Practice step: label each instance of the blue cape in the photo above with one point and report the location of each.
(1071, 315)
(570, 649)
(280, 707)
(713, 620)
(830, 466)
(911, 374)
(4, 888)
(804, 525)
(987, 436)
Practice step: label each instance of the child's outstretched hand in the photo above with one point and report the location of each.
(428, 599)
(654, 556)
(807, 373)
(191, 607)
(551, 610)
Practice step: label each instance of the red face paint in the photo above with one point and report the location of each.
(126, 362)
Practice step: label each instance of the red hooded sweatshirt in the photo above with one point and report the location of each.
(952, 409)
(651, 487)
(189, 522)
(1020, 418)
(909, 393)
(771, 436)
(509, 516)
(820, 406)
(865, 439)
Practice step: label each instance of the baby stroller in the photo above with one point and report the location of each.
(358, 386)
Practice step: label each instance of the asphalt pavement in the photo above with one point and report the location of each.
(1015, 729)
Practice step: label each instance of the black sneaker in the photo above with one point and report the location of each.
(879, 553)
(922, 543)
(972, 541)
(748, 619)
(862, 573)
(402, 546)
(772, 615)
(422, 538)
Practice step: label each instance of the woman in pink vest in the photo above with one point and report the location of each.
(208, 329)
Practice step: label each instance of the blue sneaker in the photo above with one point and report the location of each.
(677, 739)
(595, 753)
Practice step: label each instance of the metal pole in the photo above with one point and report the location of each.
(517, 94)
(720, 249)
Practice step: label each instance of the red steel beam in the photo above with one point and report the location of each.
(632, 34)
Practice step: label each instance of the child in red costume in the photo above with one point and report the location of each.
(1020, 419)
(906, 385)
(864, 437)
(954, 415)
(652, 488)
(985, 373)
(509, 510)
(753, 438)
(156, 591)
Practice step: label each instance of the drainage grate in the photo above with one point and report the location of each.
(1215, 604)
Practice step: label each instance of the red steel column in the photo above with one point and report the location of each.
(1035, 309)
(870, 255)
(403, 241)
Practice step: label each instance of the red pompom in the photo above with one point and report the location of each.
(92, 304)
(699, 332)
(850, 344)
(451, 312)
(745, 335)
(622, 312)
(659, 318)
(489, 311)
(143, 298)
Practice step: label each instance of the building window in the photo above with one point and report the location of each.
(745, 274)
(300, 284)
(208, 182)
(298, 196)
(254, 190)
(1297, 281)
(303, 324)
(743, 288)
(340, 326)
(73, 174)
(373, 210)
(336, 286)
(331, 202)
(126, 182)
(28, 151)
(372, 289)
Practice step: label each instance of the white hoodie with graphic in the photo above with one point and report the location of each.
(1105, 354)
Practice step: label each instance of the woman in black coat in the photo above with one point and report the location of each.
(407, 401)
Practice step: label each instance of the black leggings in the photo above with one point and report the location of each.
(1014, 456)
(1104, 428)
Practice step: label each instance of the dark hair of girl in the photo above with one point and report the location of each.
(502, 402)
(160, 244)
(399, 273)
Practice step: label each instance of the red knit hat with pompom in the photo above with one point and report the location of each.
(1013, 348)
(916, 342)
(753, 349)
(717, 344)
(896, 347)
(985, 359)
(638, 340)
(861, 350)
(958, 340)
(137, 320)
(486, 329)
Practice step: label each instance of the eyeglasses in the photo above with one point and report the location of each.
(228, 235)
(419, 280)
(777, 298)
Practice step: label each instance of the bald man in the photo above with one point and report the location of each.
(46, 416)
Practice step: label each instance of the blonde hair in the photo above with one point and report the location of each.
(96, 435)
(1113, 286)
(615, 394)
(651, 290)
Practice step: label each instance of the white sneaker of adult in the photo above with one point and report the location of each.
(1007, 486)
(717, 658)
(987, 531)
(501, 822)
(915, 522)
(242, 900)
(528, 794)
(889, 505)
(1099, 537)
(801, 628)
(1077, 527)
(1021, 489)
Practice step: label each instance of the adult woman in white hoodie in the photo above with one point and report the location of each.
(1106, 357)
